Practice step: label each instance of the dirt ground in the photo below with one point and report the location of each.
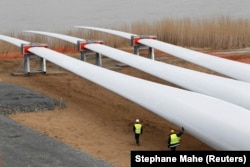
(96, 120)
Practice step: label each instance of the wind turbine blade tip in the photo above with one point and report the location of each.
(82, 26)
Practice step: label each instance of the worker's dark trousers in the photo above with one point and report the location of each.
(137, 136)
(172, 148)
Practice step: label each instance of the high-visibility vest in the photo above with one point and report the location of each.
(138, 128)
(174, 139)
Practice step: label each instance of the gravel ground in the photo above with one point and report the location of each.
(20, 146)
(19, 99)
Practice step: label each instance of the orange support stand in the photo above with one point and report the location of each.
(135, 42)
(28, 56)
(81, 45)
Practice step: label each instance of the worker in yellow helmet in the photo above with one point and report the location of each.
(138, 129)
(174, 139)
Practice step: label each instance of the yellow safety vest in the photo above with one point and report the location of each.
(174, 139)
(138, 128)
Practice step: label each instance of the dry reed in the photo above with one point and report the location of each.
(211, 33)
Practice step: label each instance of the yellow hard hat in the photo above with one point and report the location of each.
(172, 131)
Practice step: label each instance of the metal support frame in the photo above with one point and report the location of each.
(28, 57)
(137, 46)
(86, 52)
